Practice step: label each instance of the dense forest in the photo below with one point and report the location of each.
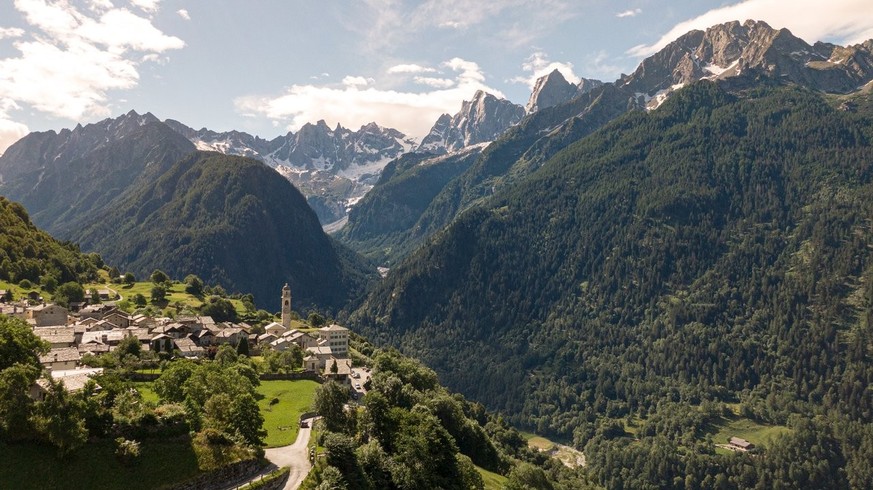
(410, 432)
(710, 256)
(32, 255)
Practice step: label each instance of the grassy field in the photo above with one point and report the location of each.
(281, 419)
(760, 435)
(493, 481)
(32, 466)
(145, 389)
(566, 454)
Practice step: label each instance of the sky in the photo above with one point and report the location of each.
(269, 66)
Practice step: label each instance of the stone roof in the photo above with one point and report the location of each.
(187, 346)
(56, 335)
(343, 366)
(333, 328)
(64, 354)
(321, 350)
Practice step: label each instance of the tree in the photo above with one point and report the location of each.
(527, 476)
(129, 278)
(316, 320)
(139, 299)
(49, 283)
(159, 277)
(94, 296)
(220, 309)
(226, 355)
(193, 285)
(247, 421)
(330, 400)
(159, 293)
(242, 348)
(114, 274)
(18, 343)
(58, 419)
(69, 292)
(15, 402)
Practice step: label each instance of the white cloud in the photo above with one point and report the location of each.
(71, 58)
(10, 131)
(10, 32)
(843, 21)
(538, 66)
(434, 82)
(629, 13)
(410, 68)
(351, 81)
(352, 106)
(509, 23)
(184, 14)
(147, 5)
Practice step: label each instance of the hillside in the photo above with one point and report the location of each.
(389, 222)
(65, 178)
(717, 249)
(738, 55)
(27, 252)
(231, 221)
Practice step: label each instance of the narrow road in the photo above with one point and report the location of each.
(295, 456)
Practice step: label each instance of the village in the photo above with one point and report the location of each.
(99, 328)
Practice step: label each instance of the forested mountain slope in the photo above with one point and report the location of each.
(232, 221)
(717, 248)
(27, 252)
(65, 178)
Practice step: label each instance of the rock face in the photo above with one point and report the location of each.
(751, 49)
(482, 119)
(550, 90)
(333, 168)
(64, 178)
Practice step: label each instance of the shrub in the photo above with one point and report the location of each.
(127, 450)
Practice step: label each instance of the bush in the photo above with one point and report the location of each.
(127, 451)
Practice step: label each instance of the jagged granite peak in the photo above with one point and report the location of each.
(750, 49)
(550, 90)
(333, 167)
(481, 119)
(229, 142)
(38, 149)
(586, 85)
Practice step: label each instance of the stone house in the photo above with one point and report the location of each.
(47, 315)
(337, 338)
(61, 359)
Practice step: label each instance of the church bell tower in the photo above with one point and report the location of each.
(286, 307)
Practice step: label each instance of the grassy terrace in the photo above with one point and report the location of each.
(281, 403)
(281, 418)
(26, 466)
(760, 435)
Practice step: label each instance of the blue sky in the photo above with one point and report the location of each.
(269, 66)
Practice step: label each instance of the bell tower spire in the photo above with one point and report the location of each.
(286, 307)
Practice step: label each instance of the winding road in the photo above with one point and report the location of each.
(295, 456)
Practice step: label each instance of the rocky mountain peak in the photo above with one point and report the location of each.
(750, 49)
(482, 118)
(550, 90)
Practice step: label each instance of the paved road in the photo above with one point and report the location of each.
(295, 456)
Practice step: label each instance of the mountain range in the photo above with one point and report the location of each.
(622, 266)
(741, 56)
